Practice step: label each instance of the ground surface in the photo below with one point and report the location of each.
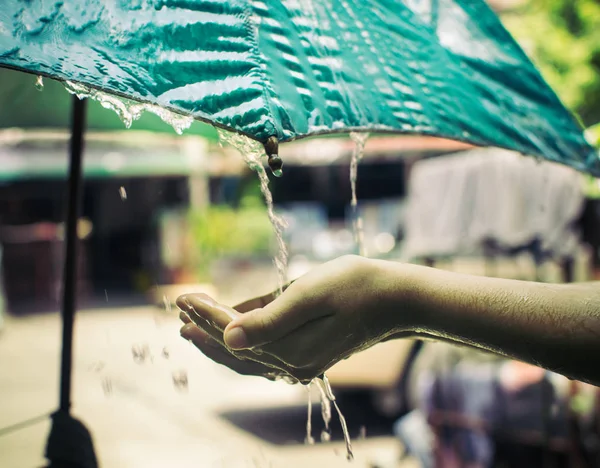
(137, 415)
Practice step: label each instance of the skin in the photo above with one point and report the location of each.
(352, 303)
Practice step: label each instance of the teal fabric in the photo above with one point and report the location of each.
(294, 68)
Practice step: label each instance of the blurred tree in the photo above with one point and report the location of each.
(562, 37)
(592, 185)
(219, 231)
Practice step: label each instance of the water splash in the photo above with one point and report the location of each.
(309, 440)
(107, 386)
(39, 83)
(359, 139)
(325, 410)
(167, 304)
(180, 380)
(129, 111)
(141, 353)
(253, 153)
(328, 397)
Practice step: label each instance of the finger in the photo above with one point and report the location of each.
(203, 339)
(205, 333)
(269, 323)
(184, 317)
(193, 332)
(202, 308)
(221, 356)
(255, 303)
(259, 302)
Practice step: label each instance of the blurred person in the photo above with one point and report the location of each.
(351, 303)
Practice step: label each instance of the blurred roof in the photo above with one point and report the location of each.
(44, 154)
(321, 151)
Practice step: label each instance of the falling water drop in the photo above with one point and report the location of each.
(359, 139)
(167, 304)
(107, 386)
(123, 193)
(39, 83)
(180, 380)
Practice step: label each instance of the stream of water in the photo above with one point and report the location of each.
(309, 440)
(253, 153)
(359, 139)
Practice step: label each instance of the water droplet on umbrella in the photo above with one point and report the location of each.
(39, 83)
(127, 110)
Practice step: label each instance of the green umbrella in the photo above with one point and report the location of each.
(289, 69)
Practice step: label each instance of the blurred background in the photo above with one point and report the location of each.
(165, 214)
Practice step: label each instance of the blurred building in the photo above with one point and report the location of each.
(129, 180)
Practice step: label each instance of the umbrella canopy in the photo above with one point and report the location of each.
(291, 69)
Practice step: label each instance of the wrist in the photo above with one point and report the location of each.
(398, 289)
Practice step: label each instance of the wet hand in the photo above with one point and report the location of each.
(321, 318)
(211, 342)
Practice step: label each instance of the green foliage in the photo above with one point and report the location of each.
(224, 231)
(562, 37)
(593, 135)
(592, 185)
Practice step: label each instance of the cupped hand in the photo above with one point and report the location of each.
(208, 338)
(321, 318)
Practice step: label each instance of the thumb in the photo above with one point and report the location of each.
(264, 325)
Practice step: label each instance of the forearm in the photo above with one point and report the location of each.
(554, 326)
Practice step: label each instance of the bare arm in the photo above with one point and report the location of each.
(556, 326)
(351, 303)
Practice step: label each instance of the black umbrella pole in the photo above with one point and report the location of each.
(72, 240)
